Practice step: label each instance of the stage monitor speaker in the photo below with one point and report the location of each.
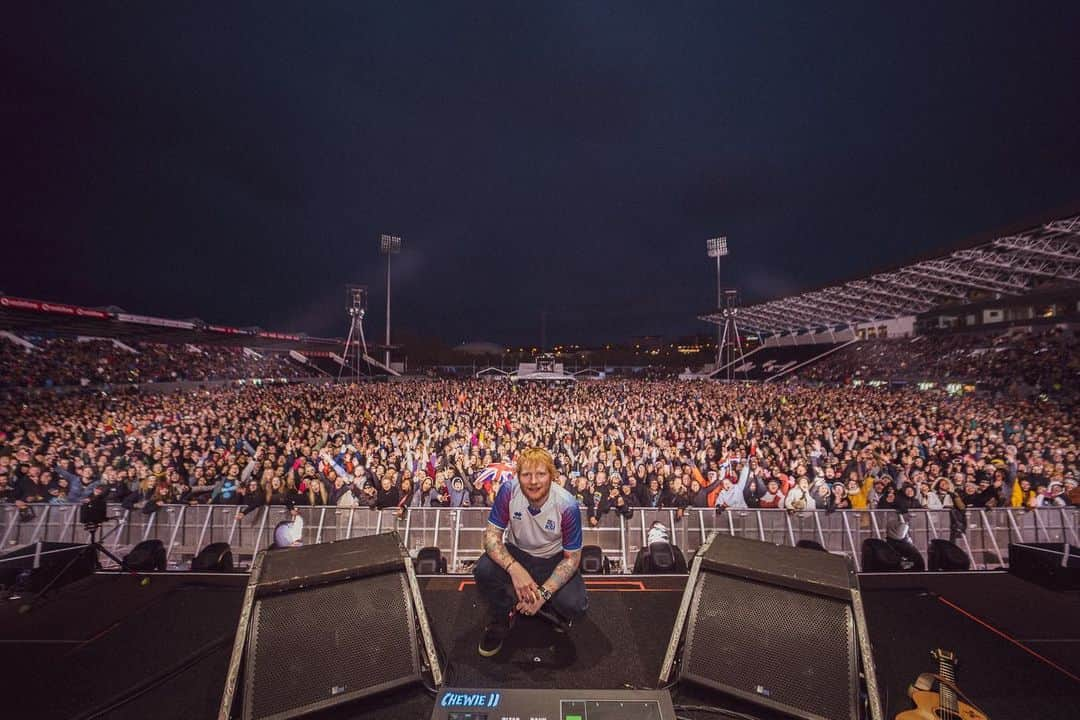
(593, 561)
(806, 664)
(326, 624)
(660, 557)
(945, 555)
(31, 568)
(215, 557)
(147, 556)
(879, 556)
(429, 561)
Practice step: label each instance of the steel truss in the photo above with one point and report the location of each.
(1008, 265)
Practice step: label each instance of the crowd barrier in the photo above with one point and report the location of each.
(185, 529)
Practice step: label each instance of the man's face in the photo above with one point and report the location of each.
(535, 482)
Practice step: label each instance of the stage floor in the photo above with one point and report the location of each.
(106, 639)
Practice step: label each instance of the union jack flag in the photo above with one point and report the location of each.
(496, 471)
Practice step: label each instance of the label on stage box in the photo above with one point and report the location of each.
(512, 704)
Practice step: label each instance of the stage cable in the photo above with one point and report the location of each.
(1008, 637)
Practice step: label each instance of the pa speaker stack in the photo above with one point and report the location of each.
(780, 627)
(326, 624)
(1052, 565)
(32, 568)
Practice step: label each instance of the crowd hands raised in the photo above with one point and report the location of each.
(618, 445)
(67, 362)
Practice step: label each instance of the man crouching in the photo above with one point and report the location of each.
(535, 570)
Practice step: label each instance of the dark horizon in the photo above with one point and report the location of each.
(237, 162)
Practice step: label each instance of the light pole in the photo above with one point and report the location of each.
(717, 247)
(388, 245)
(357, 295)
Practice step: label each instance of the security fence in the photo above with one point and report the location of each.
(185, 529)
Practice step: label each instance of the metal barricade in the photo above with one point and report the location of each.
(423, 526)
(60, 523)
(458, 532)
(467, 527)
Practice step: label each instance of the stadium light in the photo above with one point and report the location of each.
(388, 245)
(716, 247)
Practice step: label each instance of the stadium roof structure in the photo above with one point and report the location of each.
(1013, 263)
(24, 316)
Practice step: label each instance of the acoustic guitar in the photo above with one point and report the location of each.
(945, 704)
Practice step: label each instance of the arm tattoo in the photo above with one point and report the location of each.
(496, 548)
(564, 570)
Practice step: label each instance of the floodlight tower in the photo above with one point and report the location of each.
(717, 248)
(388, 245)
(357, 308)
(727, 303)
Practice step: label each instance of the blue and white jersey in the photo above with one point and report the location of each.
(556, 527)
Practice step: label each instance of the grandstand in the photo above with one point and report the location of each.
(67, 344)
(1013, 263)
(871, 329)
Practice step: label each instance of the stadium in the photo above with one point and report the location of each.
(849, 500)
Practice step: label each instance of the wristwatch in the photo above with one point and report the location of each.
(544, 593)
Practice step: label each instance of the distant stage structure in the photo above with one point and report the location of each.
(545, 368)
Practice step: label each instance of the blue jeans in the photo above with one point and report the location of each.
(497, 588)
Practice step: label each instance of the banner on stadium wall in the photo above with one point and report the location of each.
(228, 330)
(56, 308)
(158, 322)
(279, 336)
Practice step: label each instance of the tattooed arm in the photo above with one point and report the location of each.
(564, 570)
(496, 548)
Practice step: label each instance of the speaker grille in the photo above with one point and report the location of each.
(329, 644)
(775, 646)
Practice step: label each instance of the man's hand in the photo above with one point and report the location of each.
(524, 586)
(530, 608)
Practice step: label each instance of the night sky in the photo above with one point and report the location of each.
(238, 161)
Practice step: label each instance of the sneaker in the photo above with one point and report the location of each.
(494, 635)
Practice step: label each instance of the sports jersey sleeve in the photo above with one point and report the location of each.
(500, 509)
(571, 527)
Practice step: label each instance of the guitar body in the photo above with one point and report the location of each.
(927, 708)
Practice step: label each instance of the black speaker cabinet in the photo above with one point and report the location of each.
(880, 556)
(781, 627)
(1052, 565)
(326, 624)
(215, 557)
(148, 556)
(31, 568)
(945, 555)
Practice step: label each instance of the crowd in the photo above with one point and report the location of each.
(1043, 362)
(618, 445)
(68, 362)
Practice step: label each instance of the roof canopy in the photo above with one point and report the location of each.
(1012, 264)
(38, 317)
